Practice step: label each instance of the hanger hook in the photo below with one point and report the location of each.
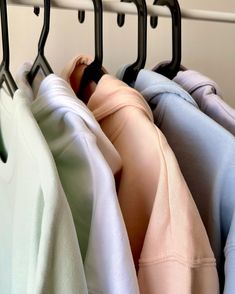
(81, 16)
(5, 74)
(46, 26)
(170, 69)
(98, 12)
(131, 71)
(121, 16)
(40, 61)
(93, 72)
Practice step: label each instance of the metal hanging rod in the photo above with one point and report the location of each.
(129, 8)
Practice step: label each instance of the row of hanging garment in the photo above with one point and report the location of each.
(129, 192)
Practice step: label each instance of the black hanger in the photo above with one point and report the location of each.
(131, 71)
(5, 75)
(40, 61)
(94, 72)
(171, 69)
(81, 16)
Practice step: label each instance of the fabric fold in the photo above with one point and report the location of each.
(169, 243)
(208, 96)
(86, 161)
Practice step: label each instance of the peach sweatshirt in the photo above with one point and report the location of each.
(169, 243)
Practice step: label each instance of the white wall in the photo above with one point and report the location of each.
(206, 47)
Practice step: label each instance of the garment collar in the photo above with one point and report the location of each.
(54, 90)
(151, 82)
(110, 94)
(191, 80)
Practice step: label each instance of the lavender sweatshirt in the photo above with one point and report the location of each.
(208, 97)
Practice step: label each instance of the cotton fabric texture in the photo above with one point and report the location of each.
(208, 96)
(168, 240)
(39, 251)
(75, 140)
(206, 155)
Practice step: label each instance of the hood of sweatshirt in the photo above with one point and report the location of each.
(110, 94)
(56, 91)
(152, 85)
(191, 80)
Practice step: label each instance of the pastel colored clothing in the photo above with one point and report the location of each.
(75, 139)
(39, 251)
(206, 155)
(168, 240)
(208, 97)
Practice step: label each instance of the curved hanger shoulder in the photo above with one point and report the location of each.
(5, 75)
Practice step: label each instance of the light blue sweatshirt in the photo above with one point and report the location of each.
(206, 155)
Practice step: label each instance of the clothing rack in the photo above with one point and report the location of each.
(129, 8)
